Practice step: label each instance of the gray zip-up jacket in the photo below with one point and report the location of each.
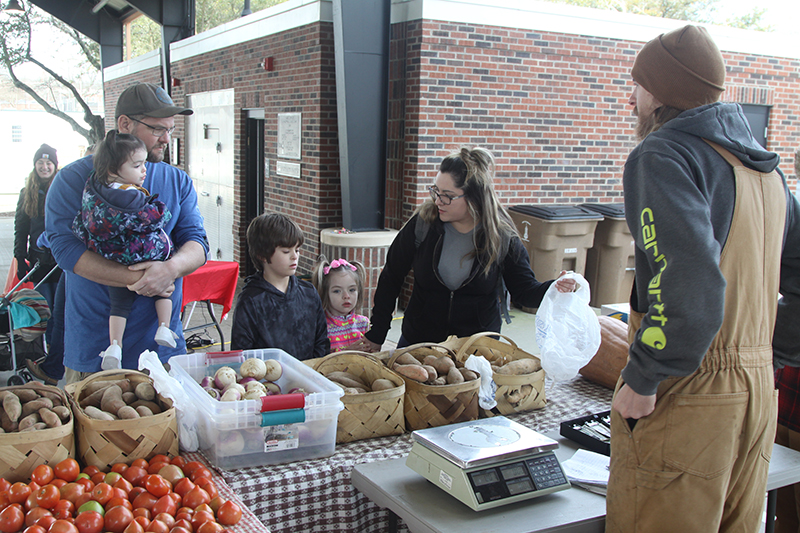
(679, 200)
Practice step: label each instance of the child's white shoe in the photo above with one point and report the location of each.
(165, 336)
(112, 357)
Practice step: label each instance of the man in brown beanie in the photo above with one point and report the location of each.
(717, 236)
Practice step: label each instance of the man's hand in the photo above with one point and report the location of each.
(158, 279)
(631, 404)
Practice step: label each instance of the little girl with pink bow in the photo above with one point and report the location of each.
(341, 288)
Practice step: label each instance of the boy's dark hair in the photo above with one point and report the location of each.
(269, 231)
(113, 152)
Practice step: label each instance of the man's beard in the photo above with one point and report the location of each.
(155, 156)
(645, 125)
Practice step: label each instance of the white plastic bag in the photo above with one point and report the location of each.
(567, 330)
(171, 388)
(488, 390)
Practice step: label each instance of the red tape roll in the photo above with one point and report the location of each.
(279, 402)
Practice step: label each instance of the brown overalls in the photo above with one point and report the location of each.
(699, 462)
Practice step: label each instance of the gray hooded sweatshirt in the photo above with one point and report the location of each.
(680, 195)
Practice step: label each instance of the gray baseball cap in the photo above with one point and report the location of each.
(149, 100)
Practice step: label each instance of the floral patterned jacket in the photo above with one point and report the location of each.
(123, 225)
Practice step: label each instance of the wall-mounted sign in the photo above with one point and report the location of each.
(284, 168)
(290, 135)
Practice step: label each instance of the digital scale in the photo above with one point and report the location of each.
(487, 463)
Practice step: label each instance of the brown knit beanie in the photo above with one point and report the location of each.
(682, 68)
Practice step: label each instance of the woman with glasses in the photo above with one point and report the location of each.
(462, 246)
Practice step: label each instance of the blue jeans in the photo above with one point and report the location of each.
(53, 364)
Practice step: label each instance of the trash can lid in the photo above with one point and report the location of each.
(556, 212)
(609, 210)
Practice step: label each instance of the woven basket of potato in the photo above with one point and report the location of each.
(518, 375)
(373, 396)
(439, 391)
(37, 429)
(119, 417)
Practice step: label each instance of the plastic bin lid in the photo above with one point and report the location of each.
(610, 210)
(556, 212)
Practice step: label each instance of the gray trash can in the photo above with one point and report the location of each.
(610, 261)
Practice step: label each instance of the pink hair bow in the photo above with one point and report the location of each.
(336, 263)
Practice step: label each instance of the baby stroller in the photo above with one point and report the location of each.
(26, 318)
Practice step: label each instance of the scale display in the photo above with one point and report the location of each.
(487, 463)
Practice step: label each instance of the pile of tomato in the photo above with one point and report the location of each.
(163, 495)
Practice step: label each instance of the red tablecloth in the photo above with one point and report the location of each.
(215, 281)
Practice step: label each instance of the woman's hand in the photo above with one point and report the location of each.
(364, 345)
(566, 284)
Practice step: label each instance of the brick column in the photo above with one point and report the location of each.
(368, 247)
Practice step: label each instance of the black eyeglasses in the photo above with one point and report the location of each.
(444, 198)
(157, 131)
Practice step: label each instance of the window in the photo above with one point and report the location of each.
(16, 134)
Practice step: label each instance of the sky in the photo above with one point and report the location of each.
(782, 15)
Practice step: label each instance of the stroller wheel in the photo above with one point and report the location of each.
(15, 380)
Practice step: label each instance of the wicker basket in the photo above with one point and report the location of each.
(370, 414)
(21, 453)
(499, 353)
(102, 443)
(428, 406)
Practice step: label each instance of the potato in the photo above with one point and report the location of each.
(145, 391)
(406, 359)
(154, 407)
(429, 359)
(454, 376)
(520, 367)
(93, 412)
(443, 365)
(346, 382)
(382, 384)
(27, 395)
(353, 390)
(432, 374)
(415, 372)
(12, 407)
(29, 421)
(347, 375)
(143, 410)
(468, 374)
(53, 397)
(440, 381)
(8, 425)
(112, 400)
(37, 426)
(62, 411)
(129, 397)
(126, 412)
(35, 405)
(49, 417)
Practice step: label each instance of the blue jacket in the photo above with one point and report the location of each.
(87, 304)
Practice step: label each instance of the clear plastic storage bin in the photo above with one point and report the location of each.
(247, 433)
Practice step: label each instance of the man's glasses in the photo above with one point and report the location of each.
(157, 131)
(444, 198)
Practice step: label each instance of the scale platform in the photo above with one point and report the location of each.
(487, 463)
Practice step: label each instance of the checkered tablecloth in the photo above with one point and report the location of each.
(317, 495)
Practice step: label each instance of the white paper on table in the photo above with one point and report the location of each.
(587, 467)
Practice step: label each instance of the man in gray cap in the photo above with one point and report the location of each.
(717, 236)
(146, 111)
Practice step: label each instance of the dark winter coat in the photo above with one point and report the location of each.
(26, 232)
(294, 321)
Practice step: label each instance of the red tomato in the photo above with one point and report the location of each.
(58, 482)
(159, 458)
(209, 486)
(178, 461)
(201, 517)
(32, 516)
(64, 506)
(35, 529)
(191, 466)
(157, 485)
(101, 493)
(83, 498)
(183, 517)
(165, 505)
(183, 524)
(195, 497)
(117, 519)
(42, 474)
(86, 483)
(30, 501)
(229, 514)
(178, 529)
(183, 486)
(90, 470)
(118, 493)
(176, 498)
(63, 526)
(12, 518)
(199, 473)
(155, 467)
(113, 502)
(119, 467)
(135, 491)
(18, 492)
(4, 484)
(141, 463)
(46, 521)
(134, 474)
(123, 485)
(134, 527)
(141, 511)
(209, 527)
(68, 469)
(204, 507)
(71, 491)
(145, 500)
(48, 496)
(157, 526)
(166, 518)
(143, 521)
(89, 522)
